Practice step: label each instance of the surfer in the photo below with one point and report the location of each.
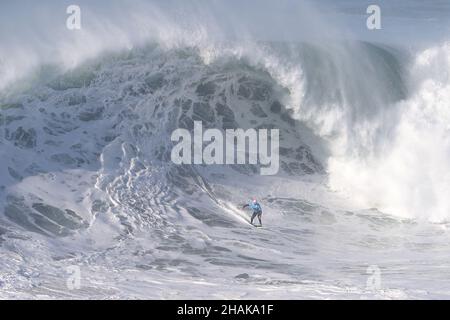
(257, 210)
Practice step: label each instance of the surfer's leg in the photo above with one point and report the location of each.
(259, 218)
(253, 217)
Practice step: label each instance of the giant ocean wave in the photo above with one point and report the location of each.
(86, 177)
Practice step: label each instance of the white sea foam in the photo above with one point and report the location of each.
(86, 178)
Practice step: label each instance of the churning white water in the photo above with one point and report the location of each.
(358, 209)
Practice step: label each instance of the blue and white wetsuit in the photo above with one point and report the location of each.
(257, 211)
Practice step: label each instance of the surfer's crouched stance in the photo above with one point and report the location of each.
(257, 210)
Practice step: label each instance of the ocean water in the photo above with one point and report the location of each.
(91, 206)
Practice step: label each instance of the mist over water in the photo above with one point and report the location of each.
(85, 124)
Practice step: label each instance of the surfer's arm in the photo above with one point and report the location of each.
(245, 206)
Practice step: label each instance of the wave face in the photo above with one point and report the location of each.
(86, 178)
(111, 123)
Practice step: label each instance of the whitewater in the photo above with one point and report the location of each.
(358, 210)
